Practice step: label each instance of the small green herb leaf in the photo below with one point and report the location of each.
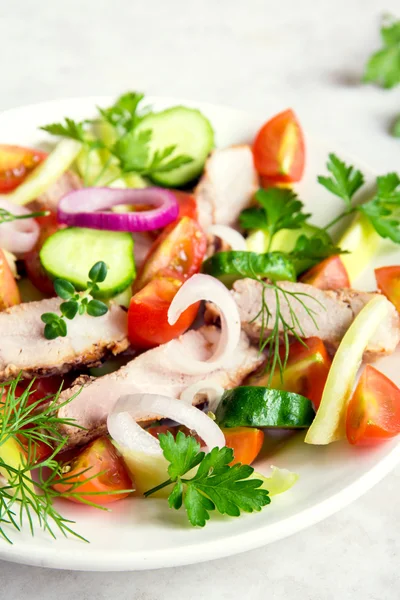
(69, 309)
(183, 452)
(383, 211)
(176, 496)
(54, 329)
(132, 151)
(70, 129)
(396, 128)
(96, 308)
(309, 251)
(64, 289)
(345, 180)
(124, 113)
(281, 209)
(383, 68)
(49, 317)
(98, 272)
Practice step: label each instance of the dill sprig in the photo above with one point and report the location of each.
(26, 485)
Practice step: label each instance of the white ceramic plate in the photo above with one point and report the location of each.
(142, 534)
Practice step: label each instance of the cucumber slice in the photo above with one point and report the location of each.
(264, 407)
(187, 129)
(236, 264)
(71, 253)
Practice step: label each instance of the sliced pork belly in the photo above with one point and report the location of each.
(333, 312)
(151, 372)
(227, 186)
(24, 348)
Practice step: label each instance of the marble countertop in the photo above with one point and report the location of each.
(308, 55)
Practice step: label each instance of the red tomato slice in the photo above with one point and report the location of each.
(9, 292)
(16, 163)
(34, 269)
(330, 274)
(148, 314)
(373, 413)
(279, 151)
(187, 205)
(246, 443)
(306, 371)
(98, 458)
(388, 280)
(177, 253)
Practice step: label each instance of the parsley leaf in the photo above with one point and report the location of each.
(383, 211)
(216, 484)
(124, 114)
(383, 68)
(132, 151)
(280, 209)
(345, 180)
(70, 129)
(309, 251)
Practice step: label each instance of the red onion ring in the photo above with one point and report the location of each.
(18, 236)
(85, 208)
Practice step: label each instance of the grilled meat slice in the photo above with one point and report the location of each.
(68, 182)
(227, 186)
(333, 313)
(25, 349)
(151, 372)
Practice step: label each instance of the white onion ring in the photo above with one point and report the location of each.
(229, 235)
(204, 287)
(18, 236)
(124, 430)
(210, 388)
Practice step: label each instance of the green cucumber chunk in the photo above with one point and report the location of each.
(237, 264)
(71, 253)
(187, 129)
(264, 407)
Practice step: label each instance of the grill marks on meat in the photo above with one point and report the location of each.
(151, 372)
(24, 348)
(333, 313)
(227, 186)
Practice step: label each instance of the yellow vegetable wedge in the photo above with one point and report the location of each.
(47, 173)
(362, 242)
(12, 454)
(329, 423)
(147, 471)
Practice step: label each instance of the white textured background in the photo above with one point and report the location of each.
(308, 54)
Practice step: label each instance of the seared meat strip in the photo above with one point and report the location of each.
(68, 182)
(151, 372)
(227, 186)
(24, 347)
(333, 313)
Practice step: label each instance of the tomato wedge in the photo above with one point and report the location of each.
(174, 257)
(373, 413)
(306, 371)
(187, 205)
(36, 273)
(16, 163)
(330, 274)
(148, 314)
(388, 280)
(105, 472)
(279, 150)
(246, 443)
(177, 252)
(9, 292)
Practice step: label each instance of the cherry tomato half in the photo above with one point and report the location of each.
(246, 443)
(177, 252)
(388, 280)
(16, 163)
(98, 470)
(373, 413)
(9, 292)
(148, 314)
(306, 371)
(279, 150)
(330, 274)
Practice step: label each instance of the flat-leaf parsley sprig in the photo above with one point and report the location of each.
(382, 211)
(55, 325)
(215, 486)
(383, 68)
